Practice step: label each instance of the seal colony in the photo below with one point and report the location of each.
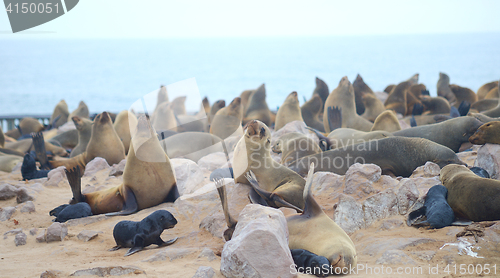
(273, 154)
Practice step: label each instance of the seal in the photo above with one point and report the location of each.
(161, 97)
(257, 107)
(215, 108)
(469, 195)
(485, 89)
(104, 142)
(484, 105)
(386, 121)
(289, 111)
(123, 123)
(321, 90)
(416, 90)
(164, 117)
(84, 129)
(436, 213)
(444, 90)
(311, 112)
(26, 126)
(245, 96)
(373, 107)
(8, 162)
(398, 156)
(343, 96)
(275, 183)
(304, 259)
(343, 137)
(148, 178)
(68, 212)
(397, 97)
(295, 145)
(179, 106)
(60, 114)
(67, 139)
(191, 145)
(81, 111)
(487, 133)
(463, 94)
(26, 145)
(389, 88)
(326, 239)
(360, 90)
(227, 121)
(28, 169)
(451, 133)
(138, 235)
(493, 94)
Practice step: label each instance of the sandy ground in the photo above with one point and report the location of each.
(72, 254)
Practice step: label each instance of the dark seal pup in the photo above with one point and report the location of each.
(138, 235)
(305, 260)
(437, 212)
(66, 212)
(29, 171)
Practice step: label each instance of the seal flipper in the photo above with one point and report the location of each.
(271, 198)
(130, 204)
(413, 122)
(173, 194)
(138, 245)
(230, 221)
(75, 182)
(463, 108)
(41, 154)
(255, 198)
(415, 216)
(418, 109)
(115, 248)
(57, 210)
(334, 117)
(160, 242)
(454, 112)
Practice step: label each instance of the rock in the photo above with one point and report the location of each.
(37, 187)
(56, 232)
(204, 272)
(390, 224)
(117, 169)
(349, 214)
(469, 157)
(66, 127)
(207, 253)
(41, 237)
(188, 175)
(95, 165)
(55, 176)
(51, 274)
(7, 191)
(359, 179)
(171, 254)
(28, 207)
(212, 161)
(12, 232)
(20, 239)
(323, 181)
(424, 255)
(488, 158)
(395, 257)
(214, 223)
(379, 206)
(86, 235)
(110, 270)
(431, 169)
(33, 231)
(258, 226)
(407, 195)
(23, 195)
(6, 213)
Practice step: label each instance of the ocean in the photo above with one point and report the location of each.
(110, 75)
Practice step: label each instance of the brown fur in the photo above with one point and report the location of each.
(289, 111)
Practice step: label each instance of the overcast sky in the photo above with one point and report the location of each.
(263, 18)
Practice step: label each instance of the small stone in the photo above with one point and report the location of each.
(7, 191)
(214, 223)
(117, 169)
(188, 175)
(55, 176)
(212, 161)
(207, 253)
(28, 207)
(23, 195)
(488, 158)
(379, 206)
(109, 271)
(395, 257)
(349, 214)
(95, 165)
(431, 169)
(6, 213)
(41, 237)
(56, 232)
(33, 231)
(390, 224)
(51, 274)
(12, 232)
(86, 235)
(204, 272)
(20, 239)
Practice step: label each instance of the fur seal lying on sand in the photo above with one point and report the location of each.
(397, 155)
(148, 178)
(29, 171)
(451, 133)
(437, 212)
(67, 212)
(138, 235)
(471, 196)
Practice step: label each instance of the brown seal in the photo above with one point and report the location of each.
(27, 126)
(60, 114)
(321, 90)
(125, 120)
(81, 111)
(316, 232)
(148, 178)
(295, 145)
(463, 94)
(164, 118)
(343, 96)
(436, 105)
(257, 107)
(493, 94)
(278, 185)
(484, 105)
(218, 105)
(397, 97)
(398, 156)
(373, 107)
(360, 89)
(311, 111)
(485, 89)
(487, 133)
(389, 88)
(227, 121)
(469, 195)
(289, 111)
(387, 121)
(451, 133)
(84, 128)
(444, 90)
(342, 137)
